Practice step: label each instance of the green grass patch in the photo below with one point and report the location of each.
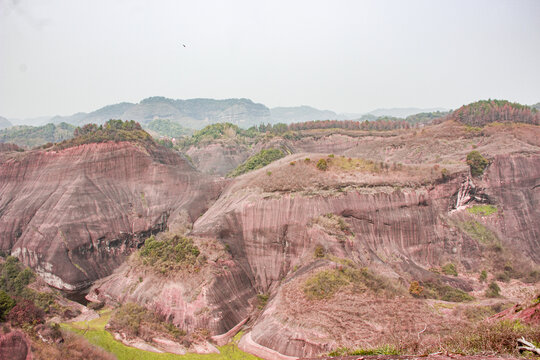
(484, 210)
(449, 269)
(94, 331)
(354, 164)
(257, 161)
(438, 290)
(480, 233)
(381, 350)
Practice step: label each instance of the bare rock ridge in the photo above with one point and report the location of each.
(75, 214)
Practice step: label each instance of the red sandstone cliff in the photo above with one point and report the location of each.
(73, 215)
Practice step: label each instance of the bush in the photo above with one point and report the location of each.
(172, 253)
(6, 304)
(320, 252)
(493, 290)
(477, 163)
(128, 318)
(437, 290)
(449, 269)
(415, 289)
(25, 312)
(322, 165)
(483, 276)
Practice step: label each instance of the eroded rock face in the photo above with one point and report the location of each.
(15, 346)
(75, 214)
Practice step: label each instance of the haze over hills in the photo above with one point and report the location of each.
(197, 113)
(403, 112)
(4, 123)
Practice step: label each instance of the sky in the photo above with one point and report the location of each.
(59, 57)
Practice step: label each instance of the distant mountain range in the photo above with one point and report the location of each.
(4, 123)
(403, 112)
(198, 113)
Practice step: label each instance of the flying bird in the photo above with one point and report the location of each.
(183, 45)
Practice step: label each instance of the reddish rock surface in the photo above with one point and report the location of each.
(15, 346)
(74, 215)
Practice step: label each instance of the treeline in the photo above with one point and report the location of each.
(32, 136)
(112, 130)
(484, 112)
(379, 124)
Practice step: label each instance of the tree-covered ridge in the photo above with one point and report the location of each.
(425, 117)
(484, 112)
(219, 131)
(112, 130)
(169, 128)
(386, 123)
(257, 161)
(32, 136)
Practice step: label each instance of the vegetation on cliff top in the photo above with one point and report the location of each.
(32, 136)
(477, 163)
(484, 112)
(112, 130)
(257, 161)
(172, 253)
(325, 283)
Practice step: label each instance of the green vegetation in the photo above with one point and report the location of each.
(322, 165)
(449, 269)
(262, 300)
(489, 337)
(483, 276)
(484, 112)
(493, 290)
(334, 225)
(325, 283)
(261, 159)
(356, 164)
(437, 290)
(425, 117)
(33, 136)
(94, 331)
(477, 163)
(480, 233)
(381, 350)
(219, 131)
(319, 252)
(112, 130)
(484, 210)
(6, 304)
(169, 128)
(172, 253)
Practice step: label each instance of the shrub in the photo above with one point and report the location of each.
(322, 165)
(25, 312)
(292, 163)
(172, 253)
(262, 300)
(493, 290)
(449, 269)
(437, 290)
(6, 304)
(415, 289)
(483, 276)
(477, 163)
(320, 252)
(128, 318)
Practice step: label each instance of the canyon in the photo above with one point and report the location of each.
(391, 208)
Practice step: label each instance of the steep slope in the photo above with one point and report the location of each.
(402, 206)
(75, 214)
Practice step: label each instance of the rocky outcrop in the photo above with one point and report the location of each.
(15, 346)
(74, 215)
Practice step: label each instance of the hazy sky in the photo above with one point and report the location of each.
(61, 57)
